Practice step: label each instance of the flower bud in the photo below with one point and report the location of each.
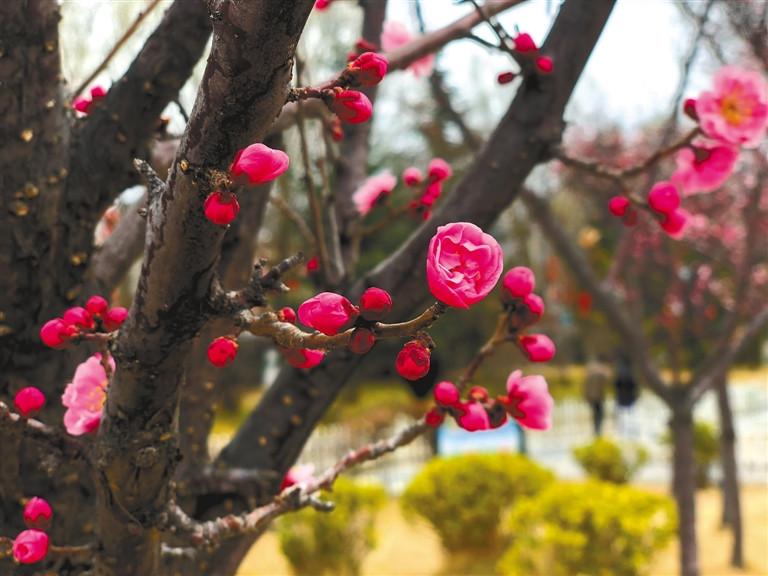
(537, 347)
(375, 303)
(535, 304)
(434, 418)
(351, 106)
(674, 223)
(618, 205)
(313, 265)
(328, 313)
(321, 5)
(505, 77)
(544, 64)
(518, 282)
(412, 176)
(38, 514)
(80, 317)
(524, 43)
(29, 401)
(286, 314)
(30, 546)
(221, 209)
(304, 358)
(446, 394)
(115, 317)
(369, 68)
(362, 341)
(412, 361)
(664, 197)
(257, 164)
(438, 170)
(222, 351)
(478, 394)
(473, 418)
(96, 305)
(56, 333)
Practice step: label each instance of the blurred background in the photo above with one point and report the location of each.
(504, 501)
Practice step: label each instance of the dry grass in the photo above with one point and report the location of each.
(409, 548)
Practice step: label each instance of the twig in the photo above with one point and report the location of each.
(288, 335)
(294, 217)
(119, 44)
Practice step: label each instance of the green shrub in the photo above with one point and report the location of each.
(464, 497)
(333, 542)
(706, 451)
(605, 460)
(591, 528)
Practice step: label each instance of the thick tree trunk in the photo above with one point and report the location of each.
(684, 484)
(731, 496)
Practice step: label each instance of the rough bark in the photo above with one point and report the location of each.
(731, 496)
(244, 87)
(274, 434)
(684, 482)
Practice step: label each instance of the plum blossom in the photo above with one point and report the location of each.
(528, 400)
(393, 36)
(298, 476)
(304, 358)
(412, 361)
(736, 110)
(328, 313)
(38, 513)
(463, 264)
(704, 167)
(257, 164)
(84, 397)
(29, 401)
(30, 546)
(473, 417)
(375, 303)
(351, 106)
(372, 190)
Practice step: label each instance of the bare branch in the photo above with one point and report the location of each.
(36, 430)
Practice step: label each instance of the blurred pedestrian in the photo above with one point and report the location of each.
(596, 382)
(627, 392)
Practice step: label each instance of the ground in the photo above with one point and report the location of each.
(410, 548)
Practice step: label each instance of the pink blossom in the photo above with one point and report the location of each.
(505, 77)
(30, 546)
(83, 104)
(736, 110)
(328, 313)
(412, 176)
(372, 190)
(618, 205)
(537, 347)
(369, 68)
(704, 167)
(298, 476)
(473, 418)
(519, 282)
(97, 305)
(412, 361)
(535, 304)
(221, 208)
(304, 358)
(84, 397)
(434, 418)
(29, 401)
(286, 314)
(79, 317)
(114, 318)
(393, 36)
(446, 394)
(463, 264)
(524, 43)
(544, 64)
(321, 5)
(375, 303)
(674, 223)
(257, 164)
(56, 333)
(439, 170)
(664, 197)
(361, 341)
(38, 513)
(529, 401)
(222, 351)
(351, 106)
(431, 193)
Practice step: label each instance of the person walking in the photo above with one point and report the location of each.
(596, 381)
(627, 392)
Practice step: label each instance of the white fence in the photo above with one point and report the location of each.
(645, 424)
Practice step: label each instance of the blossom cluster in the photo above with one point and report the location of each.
(95, 316)
(253, 165)
(527, 52)
(83, 104)
(31, 545)
(733, 115)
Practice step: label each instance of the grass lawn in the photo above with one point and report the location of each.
(409, 548)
